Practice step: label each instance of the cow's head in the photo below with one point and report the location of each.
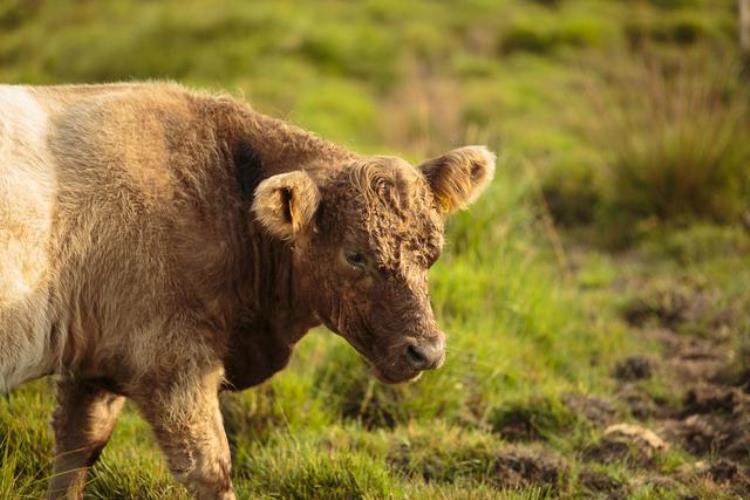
(363, 239)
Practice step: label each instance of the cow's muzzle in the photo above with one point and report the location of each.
(425, 353)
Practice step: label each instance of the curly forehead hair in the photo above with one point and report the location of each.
(392, 204)
(391, 182)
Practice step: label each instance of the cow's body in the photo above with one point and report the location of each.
(158, 244)
(109, 232)
(127, 250)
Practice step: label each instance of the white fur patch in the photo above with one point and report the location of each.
(27, 194)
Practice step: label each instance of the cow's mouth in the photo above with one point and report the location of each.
(399, 379)
(394, 374)
(390, 376)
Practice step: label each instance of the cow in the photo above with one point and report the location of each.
(161, 244)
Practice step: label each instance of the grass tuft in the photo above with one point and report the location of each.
(532, 420)
(675, 140)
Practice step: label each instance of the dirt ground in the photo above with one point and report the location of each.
(702, 412)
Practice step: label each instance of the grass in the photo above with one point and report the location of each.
(534, 312)
(677, 139)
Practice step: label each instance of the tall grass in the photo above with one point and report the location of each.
(676, 138)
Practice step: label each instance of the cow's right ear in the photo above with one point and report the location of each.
(285, 203)
(458, 177)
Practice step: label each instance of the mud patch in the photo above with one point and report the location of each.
(679, 305)
(641, 404)
(502, 466)
(713, 420)
(634, 368)
(523, 467)
(596, 411)
(711, 399)
(726, 471)
(692, 359)
(721, 474)
(696, 398)
(743, 381)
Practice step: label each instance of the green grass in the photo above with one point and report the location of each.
(533, 313)
(677, 139)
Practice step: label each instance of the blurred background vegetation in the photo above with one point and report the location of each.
(619, 218)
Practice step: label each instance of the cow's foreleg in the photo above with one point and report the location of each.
(82, 423)
(188, 426)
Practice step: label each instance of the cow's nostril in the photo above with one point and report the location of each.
(417, 357)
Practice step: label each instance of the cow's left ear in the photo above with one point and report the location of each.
(458, 177)
(286, 203)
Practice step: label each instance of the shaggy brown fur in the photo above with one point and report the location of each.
(159, 244)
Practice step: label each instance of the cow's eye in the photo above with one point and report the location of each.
(355, 259)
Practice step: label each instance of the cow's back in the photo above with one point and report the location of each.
(28, 187)
(99, 192)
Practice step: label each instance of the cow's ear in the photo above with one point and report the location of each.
(458, 177)
(285, 203)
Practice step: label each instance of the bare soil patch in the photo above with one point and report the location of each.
(634, 368)
(529, 466)
(597, 411)
(702, 412)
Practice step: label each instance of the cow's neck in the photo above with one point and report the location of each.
(273, 314)
(273, 146)
(271, 317)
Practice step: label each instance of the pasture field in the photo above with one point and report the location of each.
(596, 299)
